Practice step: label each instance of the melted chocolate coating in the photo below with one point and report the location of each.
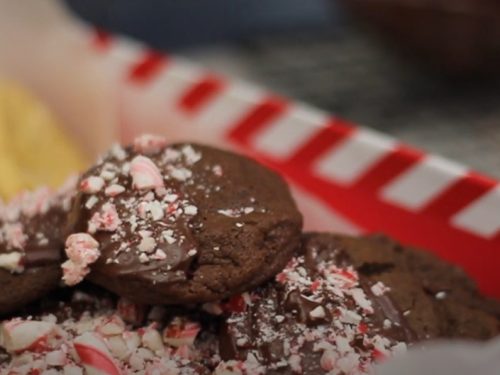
(31, 227)
(222, 224)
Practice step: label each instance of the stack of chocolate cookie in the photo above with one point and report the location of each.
(185, 259)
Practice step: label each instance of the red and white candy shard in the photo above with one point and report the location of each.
(13, 233)
(19, 335)
(180, 332)
(95, 356)
(106, 219)
(92, 184)
(336, 291)
(145, 174)
(82, 250)
(149, 144)
(36, 202)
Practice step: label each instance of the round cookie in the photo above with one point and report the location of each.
(31, 245)
(179, 224)
(343, 303)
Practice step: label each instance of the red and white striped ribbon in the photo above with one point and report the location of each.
(367, 181)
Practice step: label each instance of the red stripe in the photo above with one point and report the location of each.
(262, 114)
(386, 169)
(148, 67)
(101, 39)
(478, 256)
(93, 357)
(201, 93)
(327, 138)
(459, 195)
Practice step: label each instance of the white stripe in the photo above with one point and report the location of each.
(125, 51)
(420, 184)
(168, 85)
(171, 83)
(320, 217)
(289, 132)
(352, 158)
(482, 217)
(228, 107)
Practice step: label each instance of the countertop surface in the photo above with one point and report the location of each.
(350, 75)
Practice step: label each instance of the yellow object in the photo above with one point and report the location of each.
(33, 148)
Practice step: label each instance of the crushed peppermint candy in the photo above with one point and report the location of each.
(145, 174)
(100, 339)
(33, 220)
(92, 184)
(149, 144)
(82, 250)
(236, 212)
(321, 315)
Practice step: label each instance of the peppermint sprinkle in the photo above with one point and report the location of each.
(91, 202)
(190, 210)
(91, 185)
(114, 190)
(379, 289)
(440, 295)
(145, 173)
(147, 244)
(180, 174)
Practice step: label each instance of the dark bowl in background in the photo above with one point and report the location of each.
(456, 37)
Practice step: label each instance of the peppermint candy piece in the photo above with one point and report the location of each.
(106, 219)
(94, 355)
(114, 190)
(37, 202)
(20, 335)
(149, 144)
(145, 174)
(73, 273)
(92, 184)
(82, 249)
(14, 235)
(110, 326)
(180, 332)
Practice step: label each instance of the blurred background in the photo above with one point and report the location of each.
(425, 71)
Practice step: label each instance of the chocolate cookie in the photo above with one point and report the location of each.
(344, 303)
(31, 245)
(179, 224)
(440, 300)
